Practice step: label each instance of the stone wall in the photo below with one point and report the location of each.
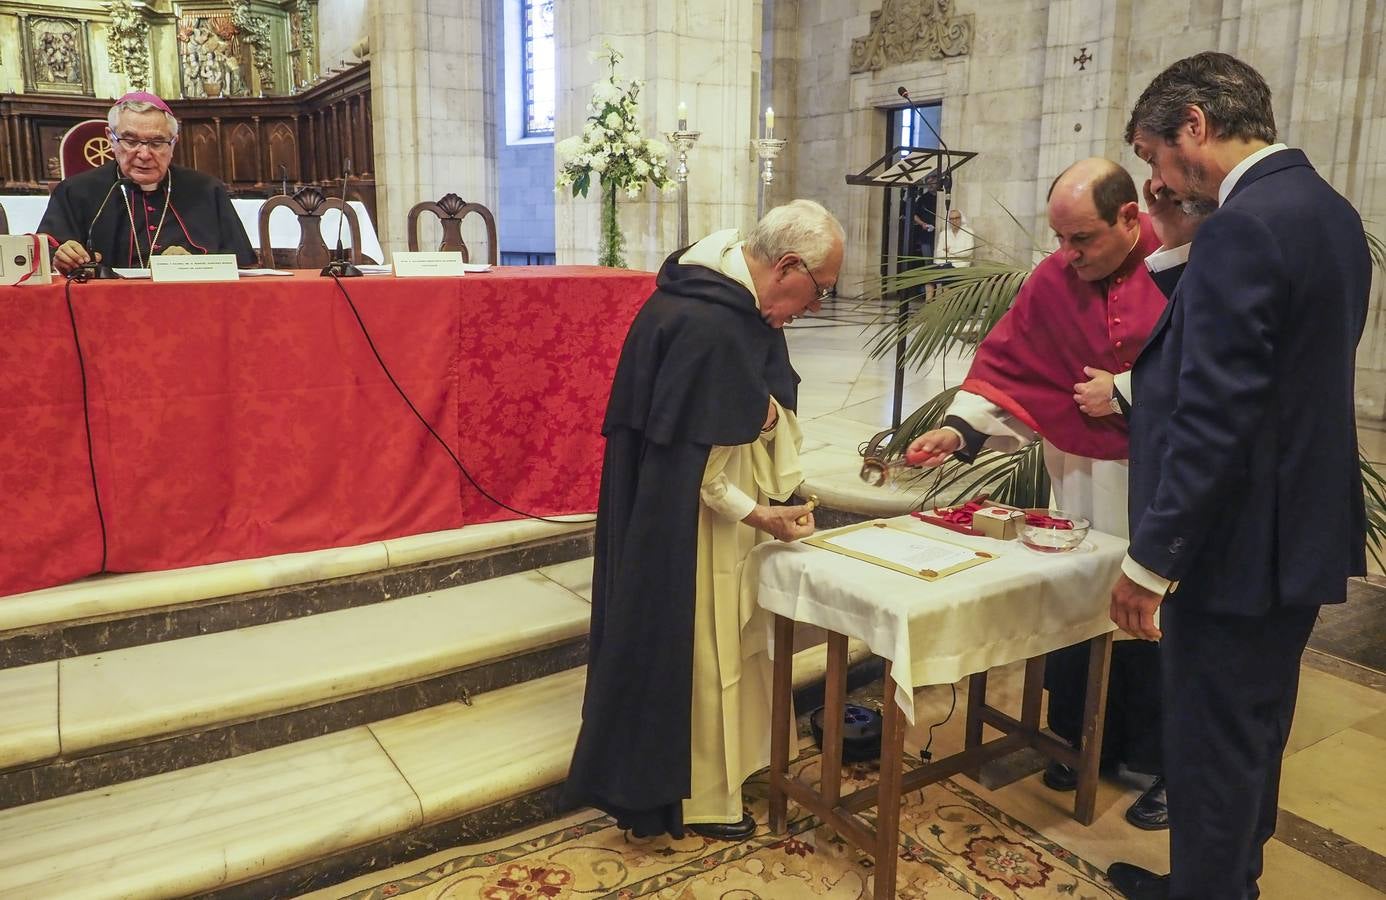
(1022, 100)
(706, 54)
(341, 26)
(433, 82)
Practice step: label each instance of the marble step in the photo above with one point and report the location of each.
(301, 815)
(109, 612)
(130, 713)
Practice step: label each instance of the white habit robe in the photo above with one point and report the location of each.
(732, 671)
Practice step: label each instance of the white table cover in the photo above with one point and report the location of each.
(25, 211)
(1022, 604)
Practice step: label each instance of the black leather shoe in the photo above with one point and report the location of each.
(1136, 883)
(1150, 811)
(726, 831)
(1059, 777)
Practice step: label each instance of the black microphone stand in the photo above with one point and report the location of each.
(339, 264)
(94, 269)
(944, 181)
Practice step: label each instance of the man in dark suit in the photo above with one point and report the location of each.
(1245, 495)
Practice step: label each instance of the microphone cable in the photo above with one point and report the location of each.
(86, 418)
(442, 443)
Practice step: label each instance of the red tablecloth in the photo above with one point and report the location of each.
(239, 420)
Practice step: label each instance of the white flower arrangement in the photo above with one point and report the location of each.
(612, 148)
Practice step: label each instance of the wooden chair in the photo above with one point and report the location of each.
(450, 211)
(308, 204)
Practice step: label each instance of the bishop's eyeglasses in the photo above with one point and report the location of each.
(131, 143)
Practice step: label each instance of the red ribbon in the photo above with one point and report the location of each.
(962, 515)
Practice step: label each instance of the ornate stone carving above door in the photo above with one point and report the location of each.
(907, 30)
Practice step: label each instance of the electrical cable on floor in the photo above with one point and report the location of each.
(86, 419)
(442, 443)
(925, 754)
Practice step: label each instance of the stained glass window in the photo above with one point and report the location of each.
(538, 54)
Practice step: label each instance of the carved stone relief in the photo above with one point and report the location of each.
(907, 30)
(127, 43)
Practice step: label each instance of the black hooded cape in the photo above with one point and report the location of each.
(200, 219)
(697, 369)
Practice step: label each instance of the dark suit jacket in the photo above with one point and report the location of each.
(1244, 478)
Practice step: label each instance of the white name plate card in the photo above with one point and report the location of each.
(434, 263)
(211, 267)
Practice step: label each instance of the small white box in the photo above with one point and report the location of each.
(998, 521)
(24, 260)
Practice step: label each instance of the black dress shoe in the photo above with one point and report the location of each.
(1150, 811)
(726, 831)
(1059, 777)
(1136, 883)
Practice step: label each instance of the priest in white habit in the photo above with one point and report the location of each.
(700, 436)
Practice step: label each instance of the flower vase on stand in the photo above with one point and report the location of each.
(613, 245)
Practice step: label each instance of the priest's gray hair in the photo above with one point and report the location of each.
(801, 227)
(140, 106)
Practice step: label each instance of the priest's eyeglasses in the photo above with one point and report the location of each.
(824, 293)
(155, 145)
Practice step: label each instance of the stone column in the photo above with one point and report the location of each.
(706, 54)
(1084, 107)
(432, 83)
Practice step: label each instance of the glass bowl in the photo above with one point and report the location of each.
(1053, 538)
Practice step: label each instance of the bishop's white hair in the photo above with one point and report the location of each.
(139, 106)
(801, 227)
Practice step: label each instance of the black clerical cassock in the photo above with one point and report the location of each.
(188, 209)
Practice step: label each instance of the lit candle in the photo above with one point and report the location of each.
(769, 121)
(683, 116)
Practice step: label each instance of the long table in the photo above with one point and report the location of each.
(239, 420)
(1018, 606)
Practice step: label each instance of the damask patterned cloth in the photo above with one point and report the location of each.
(233, 421)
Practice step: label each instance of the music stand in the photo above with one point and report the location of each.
(905, 167)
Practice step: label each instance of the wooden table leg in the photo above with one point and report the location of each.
(781, 724)
(834, 703)
(976, 699)
(888, 791)
(1094, 719)
(1033, 695)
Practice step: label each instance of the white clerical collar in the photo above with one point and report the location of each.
(1240, 168)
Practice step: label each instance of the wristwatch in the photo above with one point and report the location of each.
(1116, 404)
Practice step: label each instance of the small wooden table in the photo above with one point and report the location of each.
(854, 599)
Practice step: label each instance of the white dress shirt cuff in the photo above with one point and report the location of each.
(1168, 258)
(1147, 579)
(1005, 431)
(726, 499)
(1121, 383)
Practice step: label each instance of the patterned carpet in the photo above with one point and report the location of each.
(953, 844)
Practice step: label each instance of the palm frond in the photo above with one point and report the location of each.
(1378, 250)
(963, 307)
(1017, 478)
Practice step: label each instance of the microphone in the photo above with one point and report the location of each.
(339, 265)
(284, 179)
(946, 179)
(92, 269)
